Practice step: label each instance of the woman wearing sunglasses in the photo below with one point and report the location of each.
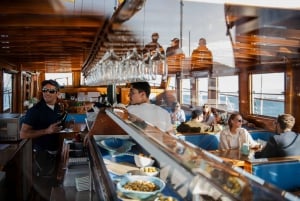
(208, 116)
(177, 115)
(234, 136)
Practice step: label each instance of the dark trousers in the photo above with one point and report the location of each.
(44, 174)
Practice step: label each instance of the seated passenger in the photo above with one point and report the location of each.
(233, 136)
(141, 107)
(195, 124)
(219, 121)
(287, 143)
(177, 115)
(208, 116)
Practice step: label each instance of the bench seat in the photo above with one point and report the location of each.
(283, 174)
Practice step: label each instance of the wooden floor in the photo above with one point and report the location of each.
(41, 190)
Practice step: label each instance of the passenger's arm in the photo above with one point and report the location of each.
(223, 143)
(252, 142)
(270, 150)
(28, 132)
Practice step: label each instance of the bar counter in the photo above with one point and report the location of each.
(15, 161)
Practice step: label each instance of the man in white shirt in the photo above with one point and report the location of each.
(141, 107)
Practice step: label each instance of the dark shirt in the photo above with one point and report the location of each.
(285, 144)
(171, 51)
(40, 116)
(152, 46)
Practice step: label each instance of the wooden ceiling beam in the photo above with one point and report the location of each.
(51, 21)
(49, 31)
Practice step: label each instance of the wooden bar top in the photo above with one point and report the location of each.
(233, 156)
(9, 151)
(236, 158)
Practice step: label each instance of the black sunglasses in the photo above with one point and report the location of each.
(51, 91)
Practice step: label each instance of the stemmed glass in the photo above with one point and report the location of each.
(158, 65)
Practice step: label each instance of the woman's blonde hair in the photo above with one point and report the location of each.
(286, 121)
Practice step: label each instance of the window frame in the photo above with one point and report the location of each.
(59, 76)
(283, 94)
(10, 93)
(229, 92)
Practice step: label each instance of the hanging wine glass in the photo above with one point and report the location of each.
(125, 74)
(111, 63)
(158, 65)
(147, 70)
(133, 63)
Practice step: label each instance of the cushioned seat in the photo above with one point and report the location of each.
(79, 118)
(284, 175)
(204, 141)
(263, 135)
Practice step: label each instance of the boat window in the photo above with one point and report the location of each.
(268, 94)
(7, 91)
(228, 92)
(63, 79)
(186, 91)
(156, 82)
(172, 83)
(202, 90)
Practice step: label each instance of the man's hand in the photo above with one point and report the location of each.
(54, 128)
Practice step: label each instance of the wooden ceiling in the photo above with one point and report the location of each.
(42, 36)
(264, 35)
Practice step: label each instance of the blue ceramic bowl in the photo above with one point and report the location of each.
(116, 145)
(112, 143)
(140, 195)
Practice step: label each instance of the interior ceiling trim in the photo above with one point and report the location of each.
(113, 26)
(36, 34)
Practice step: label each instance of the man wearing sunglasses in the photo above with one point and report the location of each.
(41, 124)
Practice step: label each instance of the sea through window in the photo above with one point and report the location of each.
(268, 94)
(7, 92)
(186, 91)
(202, 90)
(63, 79)
(228, 92)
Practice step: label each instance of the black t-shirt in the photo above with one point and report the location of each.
(39, 117)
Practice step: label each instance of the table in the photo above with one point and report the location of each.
(233, 156)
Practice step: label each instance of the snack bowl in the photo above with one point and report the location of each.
(165, 198)
(140, 186)
(143, 161)
(150, 170)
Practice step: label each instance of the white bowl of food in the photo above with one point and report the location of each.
(142, 160)
(140, 187)
(165, 198)
(150, 171)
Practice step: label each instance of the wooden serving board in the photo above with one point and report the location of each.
(119, 168)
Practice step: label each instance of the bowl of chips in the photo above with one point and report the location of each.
(150, 171)
(140, 186)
